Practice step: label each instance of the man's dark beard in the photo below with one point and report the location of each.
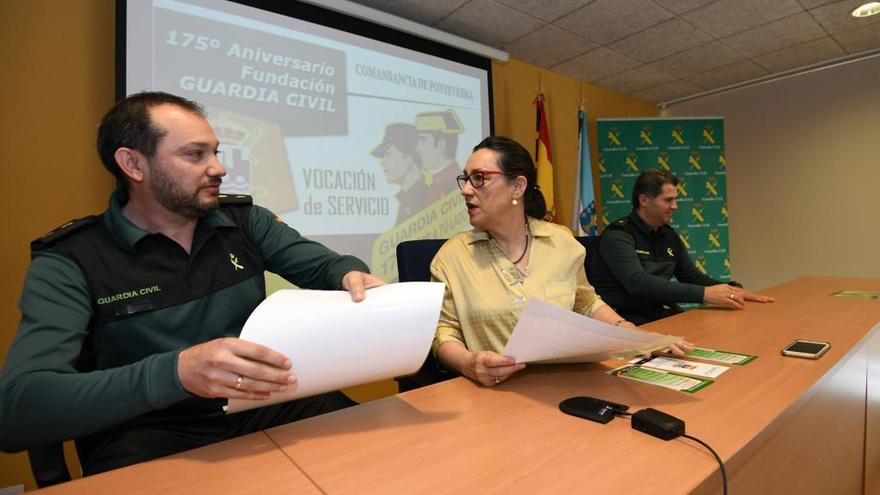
(173, 199)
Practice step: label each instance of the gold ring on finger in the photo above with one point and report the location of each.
(238, 382)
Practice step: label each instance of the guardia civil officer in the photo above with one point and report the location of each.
(128, 335)
(640, 254)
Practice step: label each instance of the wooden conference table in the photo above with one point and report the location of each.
(781, 424)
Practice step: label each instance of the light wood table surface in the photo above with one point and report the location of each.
(247, 464)
(782, 424)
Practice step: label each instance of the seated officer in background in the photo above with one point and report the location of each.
(128, 337)
(640, 253)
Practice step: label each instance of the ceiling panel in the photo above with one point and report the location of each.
(596, 64)
(664, 39)
(682, 6)
(726, 17)
(776, 35)
(860, 40)
(698, 59)
(727, 75)
(604, 21)
(546, 10)
(668, 91)
(655, 49)
(489, 22)
(427, 13)
(809, 4)
(549, 45)
(798, 56)
(836, 17)
(641, 77)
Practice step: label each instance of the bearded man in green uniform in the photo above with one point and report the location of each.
(640, 254)
(128, 336)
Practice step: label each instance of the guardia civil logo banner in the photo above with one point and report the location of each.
(693, 150)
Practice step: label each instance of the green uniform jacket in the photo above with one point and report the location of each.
(635, 267)
(86, 363)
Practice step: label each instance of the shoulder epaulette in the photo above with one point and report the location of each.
(619, 223)
(61, 232)
(235, 199)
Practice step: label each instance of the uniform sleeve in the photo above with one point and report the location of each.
(618, 250)
(43, 397)
(586, 301)
(303, 262)
(448, 327)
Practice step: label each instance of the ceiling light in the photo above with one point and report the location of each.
(867, 9)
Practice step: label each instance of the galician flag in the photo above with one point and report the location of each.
(583, 217)
(543, 157)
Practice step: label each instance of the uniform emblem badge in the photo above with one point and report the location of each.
(234, 260)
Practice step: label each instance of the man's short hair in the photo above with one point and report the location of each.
(650, 183)
(127, 124)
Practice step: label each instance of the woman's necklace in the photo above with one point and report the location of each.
(526, 250)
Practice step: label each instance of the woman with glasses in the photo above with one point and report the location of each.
(509, 256)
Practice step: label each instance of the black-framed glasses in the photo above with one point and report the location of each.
(477, 179)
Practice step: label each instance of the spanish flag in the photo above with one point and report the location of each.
(543, 157)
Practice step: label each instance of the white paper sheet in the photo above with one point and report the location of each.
(548, 333)
(335, 343)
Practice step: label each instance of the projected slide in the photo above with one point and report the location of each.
(355, 143)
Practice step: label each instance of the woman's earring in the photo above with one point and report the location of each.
(515, 202)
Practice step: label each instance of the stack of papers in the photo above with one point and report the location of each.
(681, 374)
(664, 379)
(682, 366)
(862, 294)
(546, 333)
(335, 343)
(736, 358)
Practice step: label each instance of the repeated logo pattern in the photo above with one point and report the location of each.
(693, 150)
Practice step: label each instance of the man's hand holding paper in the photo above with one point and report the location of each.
(334, 342)
(232, 368)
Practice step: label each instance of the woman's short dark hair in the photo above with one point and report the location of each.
(650, 183)
(515, 160)
(128, 124)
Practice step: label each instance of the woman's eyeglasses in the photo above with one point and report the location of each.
(477, 179)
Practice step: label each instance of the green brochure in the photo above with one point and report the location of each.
(661, 378)
(860, 294)
(722, 356)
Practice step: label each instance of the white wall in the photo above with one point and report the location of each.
(803, 158)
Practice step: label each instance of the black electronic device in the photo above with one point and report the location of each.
(598, 410)
(657, 423)
(807, 349)
(661, 425)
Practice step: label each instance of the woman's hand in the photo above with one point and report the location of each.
(681, 347)
(490, 368)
